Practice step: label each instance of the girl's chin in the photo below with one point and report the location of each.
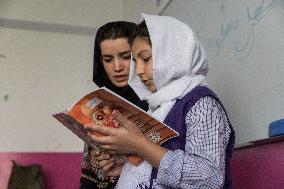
(121, 83)
(151, 88)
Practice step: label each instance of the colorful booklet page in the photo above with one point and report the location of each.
(97, 107)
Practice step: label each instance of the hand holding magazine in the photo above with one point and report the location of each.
(97, 107)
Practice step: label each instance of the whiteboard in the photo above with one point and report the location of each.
(244, 41)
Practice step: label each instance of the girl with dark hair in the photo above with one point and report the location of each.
(169, 70)
(112, 57)
(111, 64)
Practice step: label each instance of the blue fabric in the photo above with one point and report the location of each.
(276, 128)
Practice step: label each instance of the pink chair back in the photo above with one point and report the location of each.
(61, 170)
(260, 166)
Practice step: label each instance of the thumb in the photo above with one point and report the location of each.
(121, 119)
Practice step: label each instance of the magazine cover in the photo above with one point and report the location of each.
(97, 107)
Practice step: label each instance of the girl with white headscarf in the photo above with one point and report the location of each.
(169, 71)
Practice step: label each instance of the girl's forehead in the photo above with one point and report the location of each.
(114, 42)
(141, 40)
(140, 44)
(120, 44)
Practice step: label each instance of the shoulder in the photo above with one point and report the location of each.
(206, 111)
(206, 105)
(199, 95)
(206, 117)
(196, 93)
(207, 102)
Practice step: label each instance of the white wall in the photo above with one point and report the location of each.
(91, 13)
(132, 9)
(250, 80)
(42, 73)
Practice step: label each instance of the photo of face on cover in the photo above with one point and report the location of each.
(98, 112)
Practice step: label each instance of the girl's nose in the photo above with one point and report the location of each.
(140, 68)
(118, 65)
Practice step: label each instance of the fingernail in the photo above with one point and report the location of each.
(87, 125)
(115, 113)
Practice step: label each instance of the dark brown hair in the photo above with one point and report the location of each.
(141, 31)
(112, 30)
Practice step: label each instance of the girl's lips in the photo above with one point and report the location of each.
(120, 78)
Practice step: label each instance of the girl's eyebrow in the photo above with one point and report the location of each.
(120, 54)
(143, 51)
(124, 52)
(107, 56)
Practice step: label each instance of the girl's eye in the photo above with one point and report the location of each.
(126, 57)
(147, 59)
(107, 60)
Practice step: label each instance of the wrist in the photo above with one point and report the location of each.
(139, 143)
(151, 152)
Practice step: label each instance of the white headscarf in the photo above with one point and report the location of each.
(179, 65)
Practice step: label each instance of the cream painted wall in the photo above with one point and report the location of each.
(132, 9)
(91, 13)
(42, 73)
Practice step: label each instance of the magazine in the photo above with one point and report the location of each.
(97, 107)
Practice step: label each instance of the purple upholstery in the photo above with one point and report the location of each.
(259, 167)
(61, 170)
